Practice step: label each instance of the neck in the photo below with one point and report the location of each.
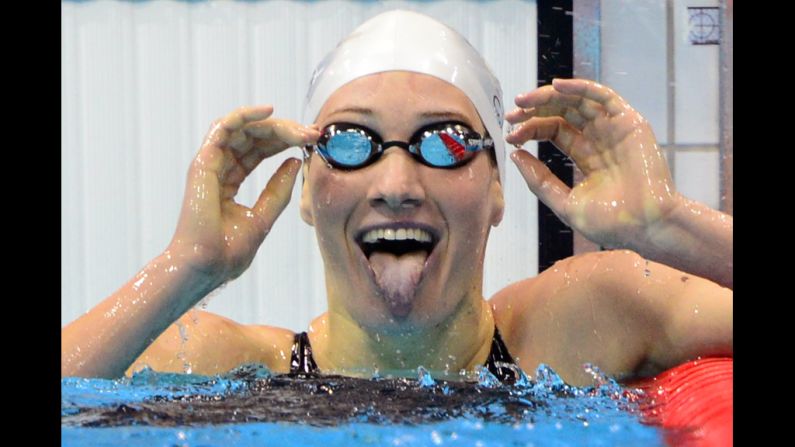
(342, 346)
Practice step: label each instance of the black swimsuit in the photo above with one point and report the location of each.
(302, 362)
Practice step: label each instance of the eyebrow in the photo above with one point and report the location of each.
(439, 114)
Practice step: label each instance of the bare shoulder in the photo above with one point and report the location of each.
(578, 273)
(207, 343)
(613, 309)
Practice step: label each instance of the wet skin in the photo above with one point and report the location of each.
(458, 206)
(614, 308)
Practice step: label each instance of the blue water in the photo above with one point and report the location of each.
(545, 412)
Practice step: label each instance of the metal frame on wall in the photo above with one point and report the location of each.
(555, 59)
(726, 107)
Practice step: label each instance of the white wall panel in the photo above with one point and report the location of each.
(634, 57)
(697, 176)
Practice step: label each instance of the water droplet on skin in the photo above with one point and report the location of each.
(183, 335)
(138, 283)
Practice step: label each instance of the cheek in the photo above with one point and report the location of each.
(464, 196)
(333, 197)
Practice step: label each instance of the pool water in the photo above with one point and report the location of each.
(251, 406)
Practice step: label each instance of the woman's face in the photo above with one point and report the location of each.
(378, 285)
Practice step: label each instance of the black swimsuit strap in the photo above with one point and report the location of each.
(302, 362)
(499, 354)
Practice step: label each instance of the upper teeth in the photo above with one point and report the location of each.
(399, 234)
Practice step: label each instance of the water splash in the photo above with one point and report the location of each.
(604, 385)
(485, 378)
(424, 378)
(529, 411)
(547, 380)
(183, 339)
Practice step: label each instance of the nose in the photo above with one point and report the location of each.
(396, 186)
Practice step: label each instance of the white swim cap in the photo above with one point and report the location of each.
(406, 40)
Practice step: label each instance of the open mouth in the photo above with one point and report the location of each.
(397, 255)
(396, 241)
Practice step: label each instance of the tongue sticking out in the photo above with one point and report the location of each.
(398, 276)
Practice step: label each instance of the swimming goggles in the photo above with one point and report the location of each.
(441, 145)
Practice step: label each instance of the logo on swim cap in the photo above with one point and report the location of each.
(497, 108)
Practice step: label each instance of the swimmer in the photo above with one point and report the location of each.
(403, 137)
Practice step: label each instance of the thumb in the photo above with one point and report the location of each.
(542, 182)
(276, 195)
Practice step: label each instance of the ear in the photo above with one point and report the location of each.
(306, 195)
(497, 199)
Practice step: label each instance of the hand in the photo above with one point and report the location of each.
(627, 188)
(216, 236)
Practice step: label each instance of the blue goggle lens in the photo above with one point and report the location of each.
(444, 149)
(349, 148)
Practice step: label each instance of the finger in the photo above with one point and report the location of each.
(276, 195)
(210, 157)
(547, 96)
(237, 169)
(239, 142)
(243, 115)
(225, 131)
(216, 135)
(564, 136)
(262, 150)
(546, 101)
(607, 97)
(542, 182)
(520, 114)
(288, 131)
(576, 119)
(220, 163)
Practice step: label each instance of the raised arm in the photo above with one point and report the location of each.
(215, 241)
(627, 198)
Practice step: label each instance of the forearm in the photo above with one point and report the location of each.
(106, 340)
(696, 239)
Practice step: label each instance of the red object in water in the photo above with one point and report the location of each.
(693, 402)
